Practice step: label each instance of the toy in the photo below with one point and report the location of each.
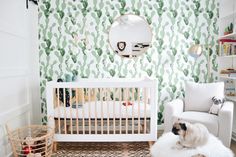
(61, 95)
(216, 106)
(27, 150)
(128, 103)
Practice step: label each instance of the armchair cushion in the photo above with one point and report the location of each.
(209, 120)
(198, 96)
(172, 108)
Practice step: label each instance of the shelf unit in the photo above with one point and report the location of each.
(228, 56)
(231, 98)
(227, 15)
(227, 77)
(228, 36)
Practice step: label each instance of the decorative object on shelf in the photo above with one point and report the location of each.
(130, 35)
(229, 29)
(216, 106)
(229, 88)
(121, 45)
(195, 51)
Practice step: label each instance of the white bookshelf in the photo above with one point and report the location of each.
(232, 98)
(227, 56)
(228, 36)
(227, 77)
(227, 15)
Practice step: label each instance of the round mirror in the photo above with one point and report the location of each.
(130, 35)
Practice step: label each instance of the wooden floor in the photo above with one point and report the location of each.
(233, 146)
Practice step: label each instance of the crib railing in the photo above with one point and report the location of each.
(103, 110)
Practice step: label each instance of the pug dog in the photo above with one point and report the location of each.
(190, 135)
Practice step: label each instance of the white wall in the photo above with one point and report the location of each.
(19, 70)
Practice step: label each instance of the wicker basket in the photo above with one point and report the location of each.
(32, 141)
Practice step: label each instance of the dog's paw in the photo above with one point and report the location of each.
(178, 146)
(198, 155)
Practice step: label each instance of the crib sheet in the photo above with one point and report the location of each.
(105, 109)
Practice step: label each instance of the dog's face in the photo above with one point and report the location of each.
(217, 101)
(179, 128)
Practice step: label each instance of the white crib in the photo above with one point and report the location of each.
(103, 110)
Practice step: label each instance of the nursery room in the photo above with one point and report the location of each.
(117, 78)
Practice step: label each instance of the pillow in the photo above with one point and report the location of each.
(198, 95)
(216, 106)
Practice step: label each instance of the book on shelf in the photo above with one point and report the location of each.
(229, 88)
(232, 74)
(228, 75)
(227, 47)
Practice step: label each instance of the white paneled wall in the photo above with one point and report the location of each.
(19, 70)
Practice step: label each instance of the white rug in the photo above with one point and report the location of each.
(164, 148)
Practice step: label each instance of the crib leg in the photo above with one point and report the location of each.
(55, 146)
(150, 143)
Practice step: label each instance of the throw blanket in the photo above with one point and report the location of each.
(164, 148)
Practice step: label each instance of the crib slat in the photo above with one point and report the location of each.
(133, 110)
(89, 99)
(145, 108)
(71, 128)
(126, 108)
(120, 105)
(138, 110)
(59, 111)
(46, 147)
(107, 99)
(96, 122)
(64, 94)
(77, 103)
(101, 98)
(83, 95)
(114, 112)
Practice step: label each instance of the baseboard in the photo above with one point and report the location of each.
(10, 154)
(234, 136)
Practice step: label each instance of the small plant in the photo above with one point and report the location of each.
(229, 29)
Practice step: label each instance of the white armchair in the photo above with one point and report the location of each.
(195, 107)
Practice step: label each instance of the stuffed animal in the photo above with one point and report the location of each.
(67, 94)
(216, 106)
(127, 103)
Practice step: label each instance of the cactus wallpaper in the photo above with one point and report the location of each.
(73, 42)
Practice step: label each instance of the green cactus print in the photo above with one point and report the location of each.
(73, 41)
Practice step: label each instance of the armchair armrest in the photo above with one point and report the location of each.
(172, 109)
(226, 122)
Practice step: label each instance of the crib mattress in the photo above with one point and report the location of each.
(108, 109)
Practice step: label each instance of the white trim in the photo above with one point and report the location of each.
(96, 83)
(6, 116)
(13, 72)
(10, 154)
(105, 138)
(15, 34)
